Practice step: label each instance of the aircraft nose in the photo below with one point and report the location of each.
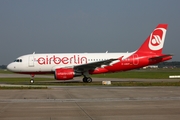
(10, 67)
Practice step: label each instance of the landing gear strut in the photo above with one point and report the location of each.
(87, 79)
(32, 78)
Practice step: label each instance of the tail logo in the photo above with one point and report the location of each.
(156, 40)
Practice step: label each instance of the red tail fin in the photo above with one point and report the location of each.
(154, 43)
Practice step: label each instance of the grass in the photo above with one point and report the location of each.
(142, 74)
(40, 82)
(137, 74)
(4, 71)
(22, 80)
(147, 84)
(50, 82)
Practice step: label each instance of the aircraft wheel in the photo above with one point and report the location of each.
(85, 79)
(89, 79)
(31, 81)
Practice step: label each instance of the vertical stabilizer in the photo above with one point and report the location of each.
(155, 41)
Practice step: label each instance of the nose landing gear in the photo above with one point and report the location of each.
(32, 78)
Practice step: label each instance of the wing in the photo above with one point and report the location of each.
(93, 65)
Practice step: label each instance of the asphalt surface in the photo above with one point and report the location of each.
(91, 103)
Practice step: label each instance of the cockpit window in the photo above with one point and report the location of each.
(18, 60)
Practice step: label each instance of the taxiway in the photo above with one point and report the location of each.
(91, 103)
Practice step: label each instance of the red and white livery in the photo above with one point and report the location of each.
(66, 66)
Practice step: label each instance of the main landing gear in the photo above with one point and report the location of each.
(32, 78)
(87, 79)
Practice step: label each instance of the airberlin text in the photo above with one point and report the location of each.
(75, 59)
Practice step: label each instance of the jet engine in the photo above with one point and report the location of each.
(64, 73)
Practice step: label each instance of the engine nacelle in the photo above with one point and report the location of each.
(64, 73)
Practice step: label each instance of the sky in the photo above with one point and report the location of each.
(63, 26)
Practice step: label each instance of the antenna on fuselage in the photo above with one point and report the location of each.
(33, 52)
(106, 51)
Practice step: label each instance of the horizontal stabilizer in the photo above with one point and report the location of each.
(160, 57)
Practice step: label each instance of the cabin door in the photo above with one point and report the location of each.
(31, 61)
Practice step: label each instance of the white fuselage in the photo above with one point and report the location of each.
(49, 62)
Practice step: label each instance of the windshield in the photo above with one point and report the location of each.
(18, 60)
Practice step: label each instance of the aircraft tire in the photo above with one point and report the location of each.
(85, 79)
(89, 79)
(31, 81)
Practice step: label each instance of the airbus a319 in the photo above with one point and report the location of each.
(66, 66)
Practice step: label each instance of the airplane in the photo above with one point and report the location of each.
(66, 66)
